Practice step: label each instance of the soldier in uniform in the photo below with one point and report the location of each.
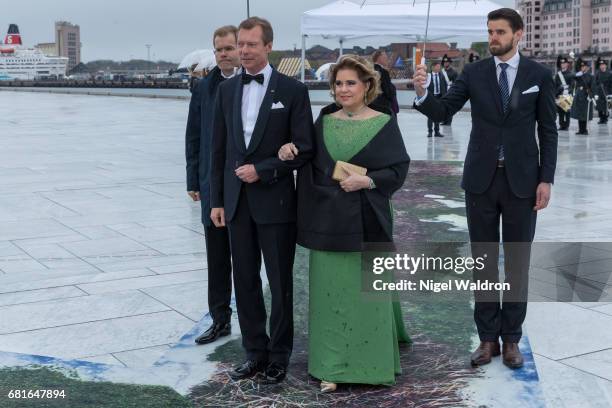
(450, 75)
(603, 87)
(584, 85)
(564, 83)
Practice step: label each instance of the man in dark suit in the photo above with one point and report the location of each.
(438, 88)
(254, 192)
(505, 173)
(388, 97)
(197, 152)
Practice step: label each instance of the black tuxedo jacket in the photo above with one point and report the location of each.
(443, 84)
(272, 199)
(527, 162)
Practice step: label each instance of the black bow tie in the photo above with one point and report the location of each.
(246, 78)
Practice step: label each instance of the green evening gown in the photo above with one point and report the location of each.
(351, 339)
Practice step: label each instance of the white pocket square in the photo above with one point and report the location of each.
(278, 105)
(533, 89)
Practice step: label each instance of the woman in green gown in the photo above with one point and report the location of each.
(351, 339)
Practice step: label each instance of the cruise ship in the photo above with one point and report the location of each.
(18, 62)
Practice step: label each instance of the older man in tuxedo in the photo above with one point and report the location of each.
(254, 192)
(507, 173)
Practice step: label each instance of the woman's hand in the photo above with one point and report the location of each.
(354, 182)
(288, 152)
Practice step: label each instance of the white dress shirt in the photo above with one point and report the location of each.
(252, 97)
(436, 81)
(237, 71)
(511, 71)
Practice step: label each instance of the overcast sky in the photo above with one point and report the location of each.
(119, 29)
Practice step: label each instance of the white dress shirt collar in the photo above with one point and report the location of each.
(513, 62)
(237, 71)
(266, 71)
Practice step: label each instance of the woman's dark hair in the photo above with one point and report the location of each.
(511, 16)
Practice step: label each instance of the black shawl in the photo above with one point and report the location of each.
(330, 219)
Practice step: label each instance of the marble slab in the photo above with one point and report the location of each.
(566, 387)
(597, 363)
(17, 283)
(189, 299)
(101, 337)
(143, 282)
(39, 295)
(562, 330)
(62, 312)
(145, 357)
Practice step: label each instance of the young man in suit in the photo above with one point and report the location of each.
(505, 173)
(254, 192)
(438, 88)
(197, 152)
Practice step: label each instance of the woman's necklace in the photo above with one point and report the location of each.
(357, 113)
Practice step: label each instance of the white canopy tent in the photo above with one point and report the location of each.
(343, 19)
(203, 59)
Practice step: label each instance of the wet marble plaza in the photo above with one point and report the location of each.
(102, 254)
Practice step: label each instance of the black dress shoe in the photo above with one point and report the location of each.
(439, 135)
(275, 373)
(429, 134)
(247, 369)
(214, 332)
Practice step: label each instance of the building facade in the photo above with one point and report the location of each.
(555, 27)
(68, 42)
(49, 49)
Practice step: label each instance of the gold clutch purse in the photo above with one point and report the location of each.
(565, 102)
(340, 175)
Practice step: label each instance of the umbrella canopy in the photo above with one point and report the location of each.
(345, 19)
(323, 71)
(203, 59)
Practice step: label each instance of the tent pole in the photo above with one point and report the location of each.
(423, 60)
(303, 74)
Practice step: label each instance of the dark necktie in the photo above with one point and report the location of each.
(505, 96)
(246, 78)
(503, 86)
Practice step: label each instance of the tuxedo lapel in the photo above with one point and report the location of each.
(491, 74)
(264, 113)
(521, 75)
(238, 129)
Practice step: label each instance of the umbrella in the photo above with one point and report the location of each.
(323, 71)
(203, 59)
